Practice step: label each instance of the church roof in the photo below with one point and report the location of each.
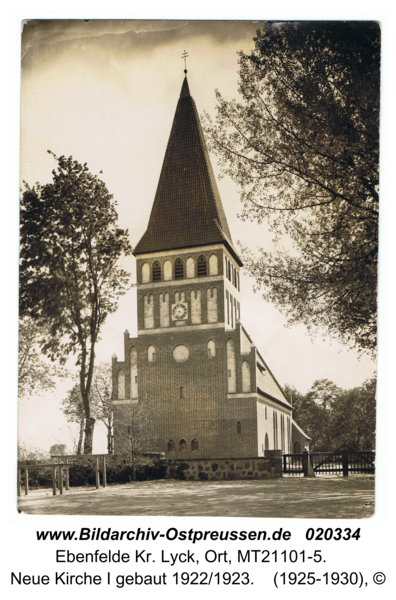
(187, 209)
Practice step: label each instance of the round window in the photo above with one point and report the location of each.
(181, 353)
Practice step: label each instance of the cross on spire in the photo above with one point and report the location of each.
(185, 56)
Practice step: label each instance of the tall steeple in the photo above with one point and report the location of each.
(187, 209)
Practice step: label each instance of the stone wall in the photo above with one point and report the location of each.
(267, 467)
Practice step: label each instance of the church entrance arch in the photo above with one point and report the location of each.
(297, 448)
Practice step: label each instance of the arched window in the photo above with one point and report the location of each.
(167, 270)
(275, 427)
(246, 384)
(239, 428)
(121, 385)
(196, 309)
(211, 305)
(171, 445)
(145, 273)
(266, 442)
(164, 309)
(282, 424)
(148, 313)
(229, 271)
(179, 269)
(201, 266)
(231, 366)
(190, 268)
(156, 271)
(194, 445)
(182, 445)
(151, 353)
(211, 349)
(213, 265)
(297, 448)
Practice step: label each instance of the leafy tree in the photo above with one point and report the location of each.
(100, 401)
(69, 277)
(34, 374)
(308, 414)
(322, 396)
(354, 416)
(331, 416)
(102, 388)
(58, 449)
(73, 409)
(303, 145)
(28, 453)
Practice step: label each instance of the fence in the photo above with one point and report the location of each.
(343, 460)
(57, 476)
(57, 471)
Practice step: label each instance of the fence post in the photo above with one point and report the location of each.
(67, 473)
(54, 481)
(284, 463)
(97, 472)
(26, 481)
(60, 479)
(305, 463)
(344, 455)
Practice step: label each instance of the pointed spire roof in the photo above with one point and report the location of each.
(187, 209)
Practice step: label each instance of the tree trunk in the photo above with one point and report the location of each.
(80, 436)
(109, 442)
(88, 441)
(109, 437)
(134, 467)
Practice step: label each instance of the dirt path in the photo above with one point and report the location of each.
(322, 497)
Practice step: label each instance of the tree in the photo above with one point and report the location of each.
(73, 409)
(303, 145)
(58, 449)
(100, 402)
(354, 416)
(69, 277)
(34, 374)
(30, 453)
(331, 416)
(102, 388)
(132, 420)
(313, 412)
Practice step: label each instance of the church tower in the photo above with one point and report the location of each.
(193, 371)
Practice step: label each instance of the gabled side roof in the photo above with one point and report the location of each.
(294, 424)
(187, 209)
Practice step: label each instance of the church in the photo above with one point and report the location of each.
(193, 369)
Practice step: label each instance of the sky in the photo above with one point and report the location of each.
(105, 92)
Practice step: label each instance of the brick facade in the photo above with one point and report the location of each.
(193, 370)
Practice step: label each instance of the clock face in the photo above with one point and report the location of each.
(179, 311)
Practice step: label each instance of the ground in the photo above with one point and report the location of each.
(289, 497)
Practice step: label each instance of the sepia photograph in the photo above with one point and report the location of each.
(198, 268)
